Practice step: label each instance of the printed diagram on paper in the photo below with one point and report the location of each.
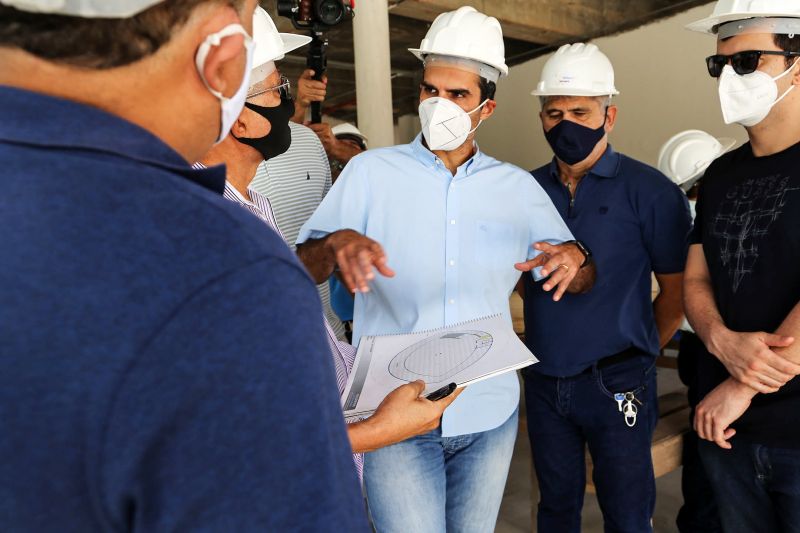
(463, 353)
(440, 356)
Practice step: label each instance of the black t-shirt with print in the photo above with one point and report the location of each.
(748, 221)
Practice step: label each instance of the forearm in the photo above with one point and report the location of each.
(366, 436)
(299, 113)
(344, 152)
(583, 281)
(668, 312)
(701, 311)
(790, 327)
(318, 258)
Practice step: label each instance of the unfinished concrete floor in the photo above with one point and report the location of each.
(517, 512)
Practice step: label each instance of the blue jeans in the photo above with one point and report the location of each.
(757, 488)
(433, 484)
(566, 414)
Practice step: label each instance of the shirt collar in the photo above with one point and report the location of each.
(429, 159)
(606, 167)
(68, 125)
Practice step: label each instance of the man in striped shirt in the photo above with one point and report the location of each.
(257, 135)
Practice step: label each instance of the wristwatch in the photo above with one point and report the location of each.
(587, 253)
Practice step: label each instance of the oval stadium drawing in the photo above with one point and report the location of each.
(440, 357)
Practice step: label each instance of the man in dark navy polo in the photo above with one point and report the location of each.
(163, 365)
(596, 382)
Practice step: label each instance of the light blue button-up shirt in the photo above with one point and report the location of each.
(453, 242)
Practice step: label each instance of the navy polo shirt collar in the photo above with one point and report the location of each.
(68, 125)
(606, 167)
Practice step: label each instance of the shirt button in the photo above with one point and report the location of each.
(452, 263)
(452, 222)
(452, 301)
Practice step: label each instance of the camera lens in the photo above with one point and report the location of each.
(330, 12)
(286, 8)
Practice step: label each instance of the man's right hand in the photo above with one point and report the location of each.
(749, 358)
(308, 90)
(403, 414)
(356, 256)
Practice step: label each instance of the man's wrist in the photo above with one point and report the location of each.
(737, 388)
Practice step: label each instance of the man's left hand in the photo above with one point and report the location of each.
(560, 261)
(721, 408)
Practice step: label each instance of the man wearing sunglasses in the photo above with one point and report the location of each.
(742, 284)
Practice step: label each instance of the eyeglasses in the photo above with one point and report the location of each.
(742, 62)
(283, 89)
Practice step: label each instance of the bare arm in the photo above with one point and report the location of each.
(668, 306)
(355, 254)
(729, 401)
(748, 356)
(403, 414)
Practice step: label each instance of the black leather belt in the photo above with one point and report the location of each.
(605, 362)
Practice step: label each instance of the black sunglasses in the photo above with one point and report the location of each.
(742, 62)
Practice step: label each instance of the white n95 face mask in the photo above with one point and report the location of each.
(747, 99)
(230, 108)
(445, 126)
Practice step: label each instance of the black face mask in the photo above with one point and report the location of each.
(572, 142)
(279, 138)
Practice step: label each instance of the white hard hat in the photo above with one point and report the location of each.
(84, 8)
(270, 45)
(686, 156)
(577, 70)
(731, 10)
(345, 128)
(465, 33)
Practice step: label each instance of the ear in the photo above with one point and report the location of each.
(796, 75)
(488, 109)
(225, 63)
(611, 119)
(239, 128)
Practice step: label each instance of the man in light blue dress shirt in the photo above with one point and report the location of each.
(458, 228)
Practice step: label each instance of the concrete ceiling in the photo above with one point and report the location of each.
(531, 28)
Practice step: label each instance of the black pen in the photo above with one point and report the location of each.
(444, 392)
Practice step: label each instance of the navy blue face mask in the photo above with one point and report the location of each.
(573, 142)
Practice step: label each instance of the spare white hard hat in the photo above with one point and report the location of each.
(577, 70)
(271, 46)
(686, 156)
(345, 128)
(731, 10)
(84, 8)
(465, 33)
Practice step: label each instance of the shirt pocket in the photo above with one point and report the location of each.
(497, 244)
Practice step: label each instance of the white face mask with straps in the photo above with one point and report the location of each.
(445, 125)
(230, 108)
(747, 99)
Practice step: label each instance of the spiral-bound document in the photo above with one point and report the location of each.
(462, 353)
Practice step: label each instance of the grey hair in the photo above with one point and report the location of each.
(604, 101)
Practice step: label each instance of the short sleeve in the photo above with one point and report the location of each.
(344, 207)
(666, 224)
(230, 418)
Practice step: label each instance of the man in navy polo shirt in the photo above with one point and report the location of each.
(596, 382)
(163, 366)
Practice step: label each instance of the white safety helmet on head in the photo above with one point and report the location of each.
(686, 156)
(733, 10)
(83, 8)
(467, 34)
(271, 46)
(577, 70)
(345, 128)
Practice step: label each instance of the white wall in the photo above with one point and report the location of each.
(664, 88)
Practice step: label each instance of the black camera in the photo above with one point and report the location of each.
(316, 15)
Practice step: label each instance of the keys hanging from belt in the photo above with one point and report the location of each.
(625, 404)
